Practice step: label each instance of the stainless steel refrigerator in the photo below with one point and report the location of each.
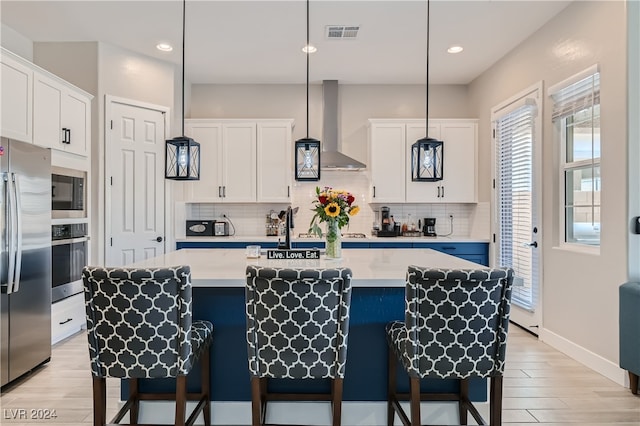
(25, 258)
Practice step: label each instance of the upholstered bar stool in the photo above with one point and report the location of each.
(297, 328)
(455, 327)
(139, 326)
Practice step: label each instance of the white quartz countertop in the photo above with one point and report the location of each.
(369, 239)
(371, 268)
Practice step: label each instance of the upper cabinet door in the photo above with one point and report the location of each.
(209, 187)
(239, 162)
(17, 99)
(460, 158)
(47, 112)
(387, 162)
(274, 162)
(76, 122)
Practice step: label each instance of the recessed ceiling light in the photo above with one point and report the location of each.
(165, 47)
(455, 49)
(309, 49)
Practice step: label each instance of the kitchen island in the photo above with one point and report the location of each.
(218, 279)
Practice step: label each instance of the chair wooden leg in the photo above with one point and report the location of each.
(181, 400)
(391, 386)
(495, 401)
(263, 399)
(135, 407)
(336, 400)
(414, 388)
(464, 396)
(99, 401)
(633, 383)
(256, 401)
(205, 379)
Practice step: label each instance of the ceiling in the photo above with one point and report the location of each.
(243, 42)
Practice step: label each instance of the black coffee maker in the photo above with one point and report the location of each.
(429, 227)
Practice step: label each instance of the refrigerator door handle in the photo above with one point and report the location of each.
(11, 218)
(18, 210)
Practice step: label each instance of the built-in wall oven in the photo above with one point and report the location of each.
(68, 193)
(69, 250)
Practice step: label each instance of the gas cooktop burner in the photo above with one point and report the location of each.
(345, 235)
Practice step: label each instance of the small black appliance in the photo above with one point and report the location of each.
(429, 227)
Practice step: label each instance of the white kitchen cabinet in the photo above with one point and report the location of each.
(386, 161)
(67, 317)
(239, 157)
(61, 115)
(17, 97)
(390, 161)
(241, 160)
(274, 161)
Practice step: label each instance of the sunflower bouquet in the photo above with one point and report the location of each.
(333, 206)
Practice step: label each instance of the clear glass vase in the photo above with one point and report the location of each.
(333, 240)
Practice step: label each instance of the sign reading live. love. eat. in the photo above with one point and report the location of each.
(293, 254)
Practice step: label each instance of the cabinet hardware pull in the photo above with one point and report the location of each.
(65, 321)
(288, 191)
(442, 191)
(374, 192)
(224, 191)
(219, 192)
(438, 191)
(64, 135)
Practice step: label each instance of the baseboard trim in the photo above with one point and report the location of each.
(584, 356)
(311, 413)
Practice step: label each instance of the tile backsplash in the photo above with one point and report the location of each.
(249, 219)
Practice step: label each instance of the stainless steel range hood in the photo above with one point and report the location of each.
(332, 158)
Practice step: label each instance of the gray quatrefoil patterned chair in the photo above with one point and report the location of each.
(297, 328)
(455, 327)
(139, 326)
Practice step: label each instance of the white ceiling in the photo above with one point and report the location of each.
(260, 41)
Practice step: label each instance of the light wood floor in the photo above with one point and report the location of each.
(542, 386)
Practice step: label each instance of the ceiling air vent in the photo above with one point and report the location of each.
(349, 32)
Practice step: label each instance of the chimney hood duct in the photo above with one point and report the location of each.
(332, 159)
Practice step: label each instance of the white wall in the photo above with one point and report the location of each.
(16, 42)
(357, 104)
(580, 290)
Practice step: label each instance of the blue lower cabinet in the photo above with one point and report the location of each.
(473, 252)
(390, 244)
(223, 244)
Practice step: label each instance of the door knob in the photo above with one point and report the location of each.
(533, 244)
(159, 239)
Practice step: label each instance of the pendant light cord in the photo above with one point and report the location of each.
(184, 13)
(427, 101)
(308, 53)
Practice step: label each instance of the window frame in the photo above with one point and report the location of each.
(560, 127)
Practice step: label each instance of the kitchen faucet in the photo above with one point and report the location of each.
(288, 226)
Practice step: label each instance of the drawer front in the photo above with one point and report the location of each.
(456, 248)
(67, 317)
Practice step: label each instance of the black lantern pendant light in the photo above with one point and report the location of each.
(182, 158)
(307, 158)
(427, 153)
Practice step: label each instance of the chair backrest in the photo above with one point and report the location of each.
(138, 321)
(457, 321)
(297, 322)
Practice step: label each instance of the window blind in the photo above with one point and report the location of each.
(576, 97)
(514, 191)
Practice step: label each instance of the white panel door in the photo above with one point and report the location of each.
(387, 162)
(135, 202)
(239, 162)
(274, 162)
(209, 187)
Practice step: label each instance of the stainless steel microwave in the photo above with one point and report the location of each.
(68, 193)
